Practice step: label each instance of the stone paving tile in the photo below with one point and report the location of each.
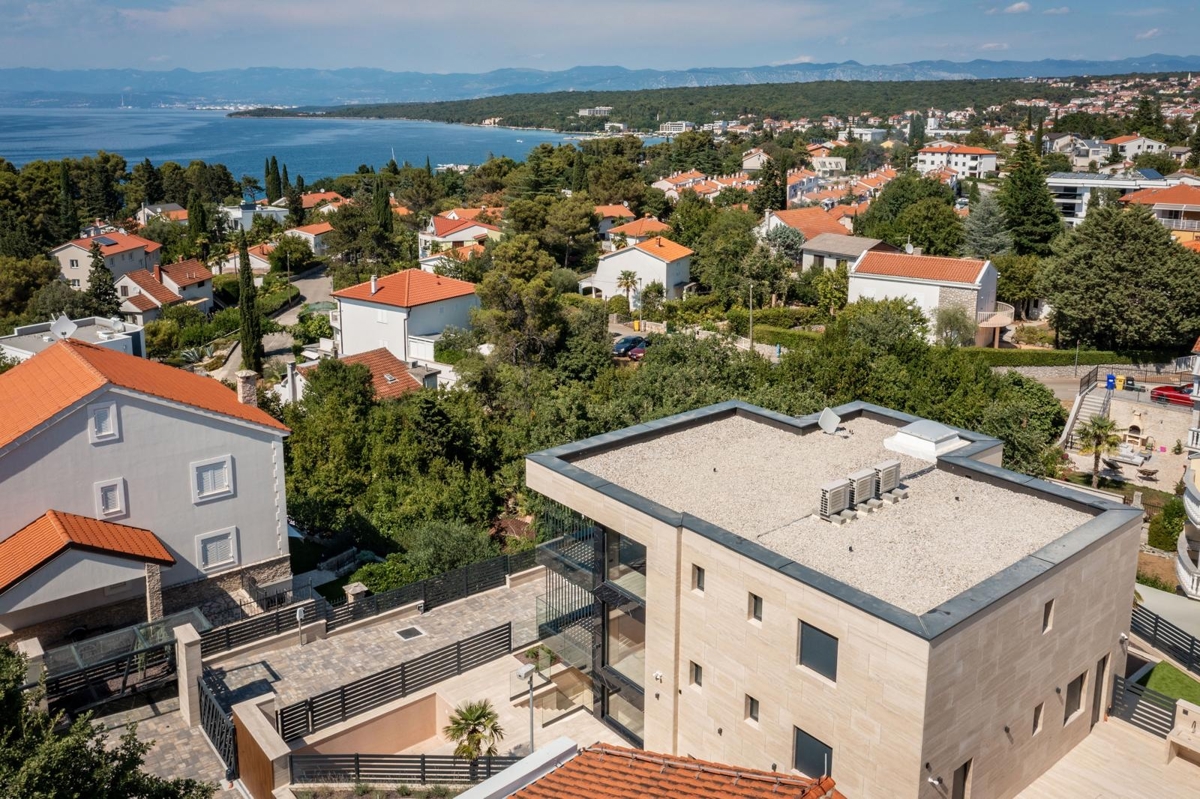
(178, 751)
(298, 672)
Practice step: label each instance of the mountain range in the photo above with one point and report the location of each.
(24, 87)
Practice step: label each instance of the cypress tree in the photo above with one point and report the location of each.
(382, 207)
(578, 174)
(287, 184)
(1037, 139)
(296, 208)
(250, 335)
(428, 166)
(274, 184)
(197, 217)
(101, 288)
(68, 214)
(267, 176)
(1033, 219)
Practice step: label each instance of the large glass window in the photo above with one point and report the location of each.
(623, 707)
(818, 651)
(626, 643)
(625, 563)
(811, 757)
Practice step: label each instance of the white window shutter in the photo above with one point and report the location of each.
(218, 549)
(110, 500)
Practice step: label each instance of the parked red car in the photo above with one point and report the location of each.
(639, 352)
(1173, 395)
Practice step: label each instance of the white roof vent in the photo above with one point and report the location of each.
(924, 440)
(835, 501)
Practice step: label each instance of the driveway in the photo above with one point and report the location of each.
(315, 286)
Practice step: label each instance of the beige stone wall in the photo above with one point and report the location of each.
(872, 716)
(994, 671)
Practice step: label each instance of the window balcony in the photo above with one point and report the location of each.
(1002, 316)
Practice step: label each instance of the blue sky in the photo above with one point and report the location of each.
(480, 35)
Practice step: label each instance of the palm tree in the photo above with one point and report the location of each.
(475, 727)
(1097, 437)
(627, 282)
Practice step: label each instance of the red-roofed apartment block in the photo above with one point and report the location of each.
(122, 253)
(404, 313)
(126, 480)
(971, 162)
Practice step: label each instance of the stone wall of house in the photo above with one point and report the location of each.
(957, 298)
(219, 592)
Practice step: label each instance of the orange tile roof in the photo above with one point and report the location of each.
(318, 229)
(383, 363)
(122, 242)
(443, 227)
(604, 771)
(52, 533)
(959, 149)
(471, 213)
(1182, 194)
(408, 289)
(152, 288)
(640, 228)
(187, 273)
(920, 267)
(176, 216)
(811, 222)
(663, 249)
(34, 391)
(685, 177)
(1122, 140)
(1194, 244)
(313, 199)
(613, 212)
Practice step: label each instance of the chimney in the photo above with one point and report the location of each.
(247, 387)
(158, 273)
(374, 283)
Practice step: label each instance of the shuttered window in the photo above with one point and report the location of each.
(110, 499)
(212, 479)
(102, 424)
(217, 549)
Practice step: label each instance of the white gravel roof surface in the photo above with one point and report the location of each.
(763, 484)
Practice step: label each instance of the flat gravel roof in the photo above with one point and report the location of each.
(763, 484)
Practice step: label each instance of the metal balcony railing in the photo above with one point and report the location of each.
(1180, 224)
(1186, 567)
(1193, 438)
(1002, 316)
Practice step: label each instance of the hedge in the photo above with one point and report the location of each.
(270, 303)
(1067, 357)
(791, 339)
(782, 318)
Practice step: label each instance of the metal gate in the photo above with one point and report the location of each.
(1142, 707)
(218, 726)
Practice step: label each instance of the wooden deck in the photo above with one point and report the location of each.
(1116, 761)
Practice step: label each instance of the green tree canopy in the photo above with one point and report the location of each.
(986, 231)
(101, 288)
(1033, 219)
(931, 225)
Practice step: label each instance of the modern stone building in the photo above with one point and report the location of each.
(883, 603)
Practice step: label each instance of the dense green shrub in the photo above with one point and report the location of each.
(1156, 582)
(1166, 526)
(784, 318)
(619, 305)
(790, 339)
(1067, 357)
(277, 299)
(225, 289)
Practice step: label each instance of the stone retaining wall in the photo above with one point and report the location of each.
(1041, 372)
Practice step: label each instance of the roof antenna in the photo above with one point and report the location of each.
(908, 248)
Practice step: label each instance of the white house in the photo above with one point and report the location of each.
(313, 234)
(241, 217)
(829, 165)
(634, 232)
(1130, 147)
(447, 261)
(933, 283)
(831, 250)
(811, 221)
(1074, 192)
(801, 182)
(453, 231)
(131, 489)
(172, 212)
(122, 252)
(610, 216)
(975, 162)
(755, 159)
(404, 313)
(655, 260)
(260, 259)
(190, 279)
(28, 340)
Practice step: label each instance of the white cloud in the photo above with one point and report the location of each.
(1059, 10)
(1018, 8)
(994, 46)
(800, 59)
(1150, 34)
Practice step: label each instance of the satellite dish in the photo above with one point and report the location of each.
(908, 248)
(63, 327)
(829, 421)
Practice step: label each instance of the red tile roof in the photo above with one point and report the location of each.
(640, 228)
(920, 267)
(1194, 244)
(318, 229)
(1122, 140)
(408, 289)
(613, 212)
(313, 199)
(604, 771)
(122, 242)
(462, 214)
(140, 301)
(1182, 194)
(34, 391)
(812, 222)
(51, 534)
(663, 249)
(959, 149)
(152, 288)
(383, 364)
(187, 273)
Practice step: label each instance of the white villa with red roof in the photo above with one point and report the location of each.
(933, 283)
(1130, 147)
(971, 162)
(655, 260)
(458, 227)
(314, 235)
(404, 313)
(131, 489)
(144, 293)
(633, 233)
(123, 252)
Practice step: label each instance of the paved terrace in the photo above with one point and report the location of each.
(763, 483)
(298, 672)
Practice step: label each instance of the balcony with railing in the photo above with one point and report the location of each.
(1187, 561)
(1002, 316)
(1190, 224)
(1193, 441)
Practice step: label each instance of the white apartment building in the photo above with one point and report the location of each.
(974, 162)
(122, 252)
(1074, 192)
(28, 340)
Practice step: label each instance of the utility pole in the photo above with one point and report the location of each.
(752, 316)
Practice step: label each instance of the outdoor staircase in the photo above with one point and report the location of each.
(1094, 403)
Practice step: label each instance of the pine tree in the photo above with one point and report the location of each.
(578, 174)
(250, 335)
(381, 204)
(101, 288)
(1037, 138)
(148, 179)
(286, 186)
(274, 184)
(68, 214)
(986, 231)
(1032, 217)
(295, 208)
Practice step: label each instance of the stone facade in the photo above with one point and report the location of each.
(154, 598)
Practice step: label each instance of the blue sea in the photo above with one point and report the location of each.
(310, 147)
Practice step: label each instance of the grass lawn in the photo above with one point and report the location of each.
(1152, 499)
(1166, 679)
(333, 591)
(305, 555)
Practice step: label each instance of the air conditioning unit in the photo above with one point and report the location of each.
(863, 490)
(835, 501)
(887, 477)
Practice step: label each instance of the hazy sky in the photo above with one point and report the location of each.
(480, 35)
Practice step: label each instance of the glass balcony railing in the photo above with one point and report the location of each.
(565, 626)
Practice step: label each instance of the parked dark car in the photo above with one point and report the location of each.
(1173, 395)
(625, 344)
(639, 352)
